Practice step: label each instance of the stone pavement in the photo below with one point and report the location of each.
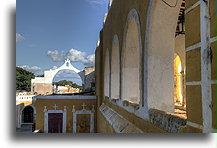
(27, 128)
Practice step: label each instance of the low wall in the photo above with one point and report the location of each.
(166, 121)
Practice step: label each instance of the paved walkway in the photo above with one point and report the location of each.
(27, 128)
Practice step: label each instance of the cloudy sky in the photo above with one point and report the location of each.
(49, 31)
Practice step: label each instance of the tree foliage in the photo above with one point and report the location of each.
(65, 82)
(23, 79)
(42, 75)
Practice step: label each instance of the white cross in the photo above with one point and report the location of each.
(84, 106)
(55, 106)
(45, 108)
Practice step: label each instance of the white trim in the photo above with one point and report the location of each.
(213, 82)
(115, 40)
(198, 45)
(205, 67)
(147, 35)
(46, 112)
(192, 7)
(64, 97)
(107, 53)
(195, 125)
(195, 46)
(21, 116)
(199, 82)
(83, 111)
(18, 117)
(193, 83)
(213, 39)
(132, 15)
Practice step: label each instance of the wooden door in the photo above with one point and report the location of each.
(55, 123)
(83, 123)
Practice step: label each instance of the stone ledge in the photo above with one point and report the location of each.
(118, 123)
(167, 121)
(115, 100)
(106, 97)
(130, 103)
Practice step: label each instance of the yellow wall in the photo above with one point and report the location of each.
(49, 103)
(115, 24)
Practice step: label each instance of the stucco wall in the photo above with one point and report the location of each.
(200, 66)
(159, 45)
(49, 103)
(119, 12)
(42, 88)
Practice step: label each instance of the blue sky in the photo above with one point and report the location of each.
(48, 31)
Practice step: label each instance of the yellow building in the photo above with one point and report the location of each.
(60, 114)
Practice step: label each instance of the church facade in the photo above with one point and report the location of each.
(59, 114)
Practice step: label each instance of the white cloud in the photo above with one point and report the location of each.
(73, 55)
(33, 69)
(91, 59)
(56, 55)
(76, 56)
(98, 2)
(19, 37)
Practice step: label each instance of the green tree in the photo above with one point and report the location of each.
(23, 79)
(42, 75)
(65, 82)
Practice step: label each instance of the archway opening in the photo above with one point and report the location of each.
(131, 64)
(115, 70)
(67, 82)
(178, 82)
(165, 33)
(28, 115)
(107, 74)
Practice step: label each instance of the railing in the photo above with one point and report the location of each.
(24, 98)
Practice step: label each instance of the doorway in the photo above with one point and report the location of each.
(27, 114)
(55, 122)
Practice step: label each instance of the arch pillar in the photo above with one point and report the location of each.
(159, 54)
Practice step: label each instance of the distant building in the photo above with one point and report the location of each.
(89, 79)
(65, 89)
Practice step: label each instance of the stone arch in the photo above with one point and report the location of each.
(46, 81)
(131, 59)
(159, 54)
(115, 68)
(66, 66)
(107, 74)
(28, 113)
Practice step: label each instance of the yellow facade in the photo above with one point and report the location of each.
(49, 103)
(40, 104)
